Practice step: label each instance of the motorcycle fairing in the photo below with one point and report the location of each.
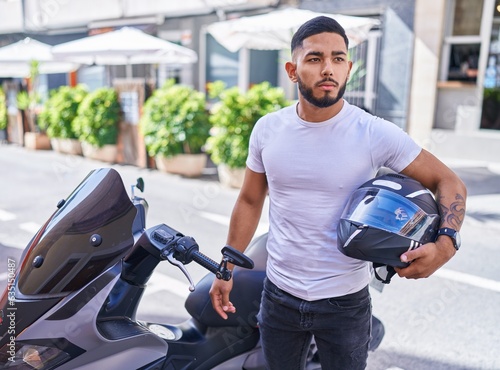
(98, 206)
(80, 330)
(88, 234)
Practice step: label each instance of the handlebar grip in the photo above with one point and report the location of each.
(205, 261)
(210, 265)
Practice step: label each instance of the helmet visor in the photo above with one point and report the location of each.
(391, 212)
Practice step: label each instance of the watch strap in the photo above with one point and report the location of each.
(452, 233)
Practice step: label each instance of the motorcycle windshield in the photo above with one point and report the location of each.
(87, 235)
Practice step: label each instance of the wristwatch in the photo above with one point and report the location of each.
(453, 234)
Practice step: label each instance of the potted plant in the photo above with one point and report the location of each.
(490, 118)
(96, 124)
(28, 102)
(34, 137)
(175, 127)
(233, 118)
(57, 118)
(3, 116)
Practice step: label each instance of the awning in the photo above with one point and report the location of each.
(274, 30)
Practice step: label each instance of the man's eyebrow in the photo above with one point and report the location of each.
(316, 53)
(320, 54)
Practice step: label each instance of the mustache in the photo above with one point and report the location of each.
(328, 79)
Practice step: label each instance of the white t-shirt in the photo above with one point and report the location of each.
(312, 169)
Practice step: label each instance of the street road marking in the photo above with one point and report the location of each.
(18, 246)
(6, 216)
(161, 282)
(224, 220)
(469, 279)
(31, 227)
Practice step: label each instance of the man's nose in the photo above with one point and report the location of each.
(327, 69)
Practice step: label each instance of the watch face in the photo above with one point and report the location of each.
(458, 239)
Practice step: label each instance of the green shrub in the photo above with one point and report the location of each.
(492, 93)
(3, 110)
(97, 118)
(24, 101)
(60, 110)
(175, 121)
(234, 117)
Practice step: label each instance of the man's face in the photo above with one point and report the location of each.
(327, 100)
(321, 69)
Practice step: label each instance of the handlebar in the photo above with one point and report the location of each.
(180, 250)
(185, 249)
(221, 272)
(165, 243)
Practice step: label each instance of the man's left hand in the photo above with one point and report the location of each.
(426, 259)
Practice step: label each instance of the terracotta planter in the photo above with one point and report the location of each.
(107, 153)
(189, 165)
(36, 141)
(67, 146)
(232, 177)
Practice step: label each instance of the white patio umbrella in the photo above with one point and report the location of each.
(274, 30)
(15, 59)
(125, 46)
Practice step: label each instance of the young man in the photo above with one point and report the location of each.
(310, 157)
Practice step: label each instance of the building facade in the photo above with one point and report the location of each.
(432, 68)
(455, 105)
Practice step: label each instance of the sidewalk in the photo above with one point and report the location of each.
(477, 145)
(458, 163)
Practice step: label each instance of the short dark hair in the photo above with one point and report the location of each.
(315, 26)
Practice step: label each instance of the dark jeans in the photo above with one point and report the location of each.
(341, 328)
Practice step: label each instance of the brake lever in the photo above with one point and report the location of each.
(173, 261)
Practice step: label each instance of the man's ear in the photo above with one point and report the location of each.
(350, 68)
(291, 70)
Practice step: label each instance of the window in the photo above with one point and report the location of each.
(463, 62)
(467, 17)
(492, 76)
(490, 118)
(462, 41)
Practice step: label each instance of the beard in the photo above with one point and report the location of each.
(327, 100)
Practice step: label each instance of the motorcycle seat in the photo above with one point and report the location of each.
(245, 296)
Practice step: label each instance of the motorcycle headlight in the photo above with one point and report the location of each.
(25, 356)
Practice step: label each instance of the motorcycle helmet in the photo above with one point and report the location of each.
(385, 217)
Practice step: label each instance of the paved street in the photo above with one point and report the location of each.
(448, 321)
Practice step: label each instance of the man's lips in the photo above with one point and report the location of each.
(327, 85)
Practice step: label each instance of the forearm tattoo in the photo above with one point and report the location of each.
(454, 213)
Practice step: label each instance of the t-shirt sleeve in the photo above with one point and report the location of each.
(254, 159)
(392, 147)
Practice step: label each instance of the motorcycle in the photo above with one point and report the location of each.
(71, 302)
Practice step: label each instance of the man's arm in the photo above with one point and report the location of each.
(451, 195)
(247, 210)
(244, 221)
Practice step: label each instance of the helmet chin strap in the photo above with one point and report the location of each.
(381, 270)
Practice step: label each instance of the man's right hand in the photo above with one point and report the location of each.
(219, 294)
